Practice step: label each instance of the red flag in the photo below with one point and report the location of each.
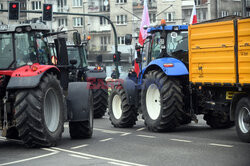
(193, 18)
(143, 32)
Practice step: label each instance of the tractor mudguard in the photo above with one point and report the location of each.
(178, 68)
(78, 101)
(132, 91)
(24, 77)
(96, 74)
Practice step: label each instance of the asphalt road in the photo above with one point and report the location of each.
(194, 144)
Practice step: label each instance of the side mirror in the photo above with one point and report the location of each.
(73, 61)
(128, 39)
(77, 38)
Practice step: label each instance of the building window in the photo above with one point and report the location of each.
(152, 17)
(237, 13)
(63, 21)
(36, 5)
(104, 21)
(105, 40)
(121, 19)
(248, 14)
(224, 13)
(121, 40)
(1, 6)
(77, 3)
(197, 2)
(170, 17)
(121, 1)
(61, 3)
(104, 8)
(77, 21)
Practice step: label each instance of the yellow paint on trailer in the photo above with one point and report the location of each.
(211, 53)
(244, 50)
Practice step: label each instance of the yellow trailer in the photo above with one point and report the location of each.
(219, 53)
(219, 65)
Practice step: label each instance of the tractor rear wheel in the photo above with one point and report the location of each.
(39, 113)
(162, 102)
(121, 114)
(100, 101)
(83, 129)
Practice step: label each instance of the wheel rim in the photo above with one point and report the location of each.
(116, 106)
(243, 114)
(51, 110)
(153, 102)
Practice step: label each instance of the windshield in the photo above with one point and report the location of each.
(79, 54)
(6, 50)
(177, 42)
(24, 49)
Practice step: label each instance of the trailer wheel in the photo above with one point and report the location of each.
(162, 102)
(243, 119)
(121, 114)
(39, 113)
(219, 121)
(100, 101)
(83, 129)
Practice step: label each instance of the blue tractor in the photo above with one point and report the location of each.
(161, 92)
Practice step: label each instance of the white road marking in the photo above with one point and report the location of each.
(33, 158)
(221, 145)
(146, 136)
(77, 156)
(109, 131)
(140, 129)
(125, 134)
(80, 146)
(114, 163)
(180, 140)
(97, 157)
(104, 140)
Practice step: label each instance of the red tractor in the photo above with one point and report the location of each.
(36, 97)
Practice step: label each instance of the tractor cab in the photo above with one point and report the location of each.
(167, 41)
(79, 54)
(23, 44)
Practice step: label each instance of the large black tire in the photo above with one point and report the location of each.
(83, 129)
(12, 133)
(167, 96)
(100, 101)
(218, 121)
(121, 113)
(39, 113)
(242, 119)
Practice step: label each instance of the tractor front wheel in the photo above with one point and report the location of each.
(83, 129)
(121, 113)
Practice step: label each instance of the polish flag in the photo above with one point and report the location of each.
(193, 18)
(143, 32)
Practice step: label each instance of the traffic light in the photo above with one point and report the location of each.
(117, 57)
(47, 12)
(14, 10)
